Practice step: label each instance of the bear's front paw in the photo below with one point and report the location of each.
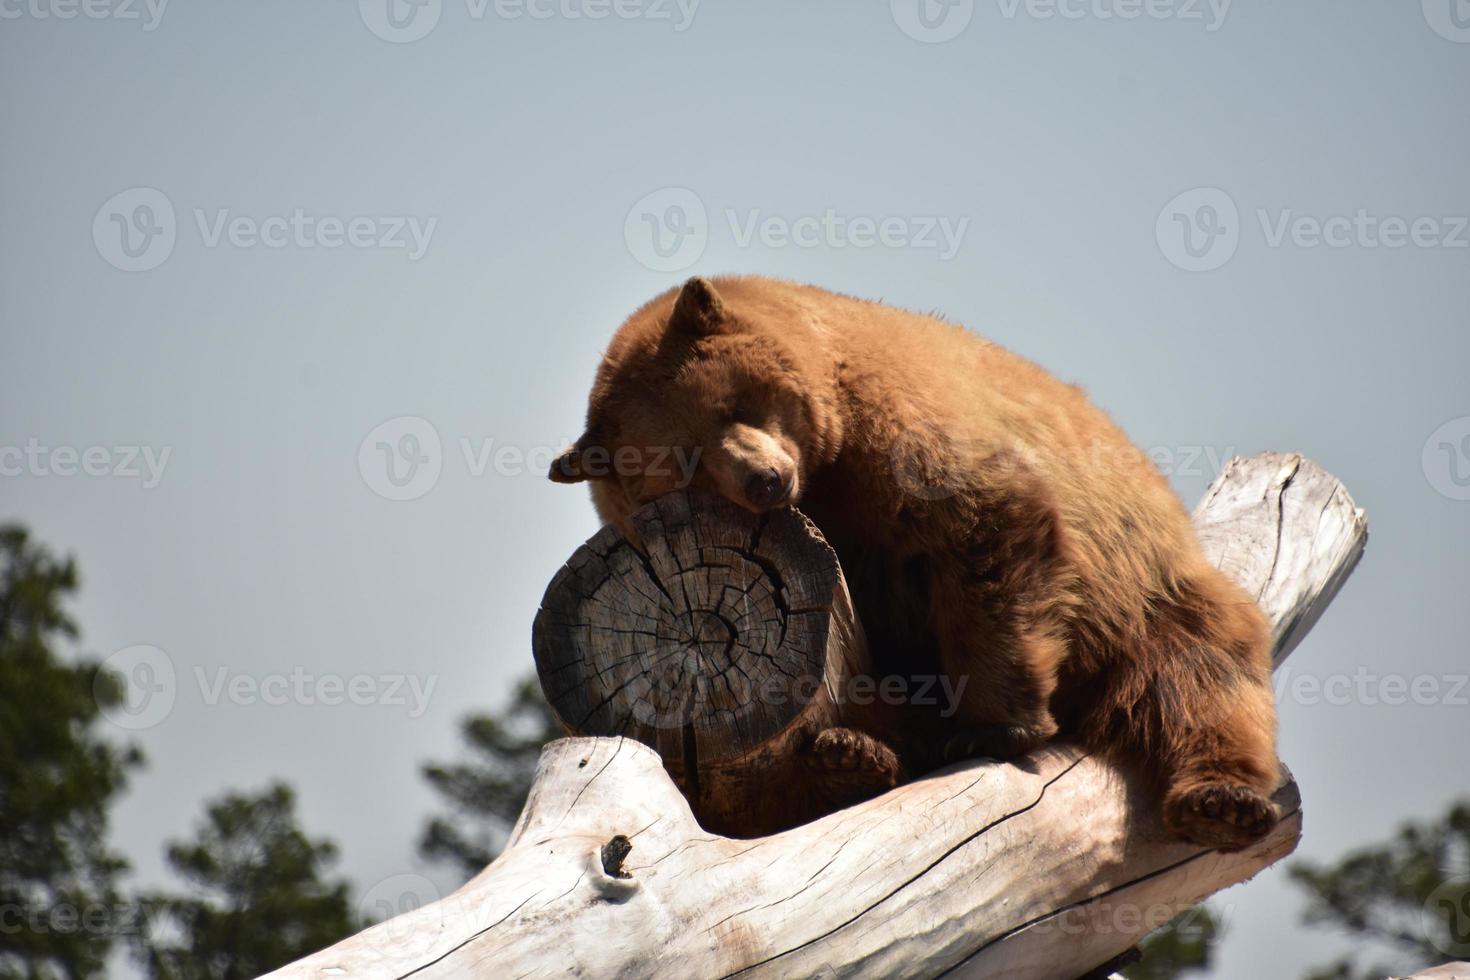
(1224, 816)
(989, 742)
(851, 765)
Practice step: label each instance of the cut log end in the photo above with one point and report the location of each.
(706, 645)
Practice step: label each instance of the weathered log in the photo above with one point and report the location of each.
(1046, 868)
(724, 643)
(1447, 971)
(1290, 510)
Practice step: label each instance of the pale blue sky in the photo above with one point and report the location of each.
(1049, 146)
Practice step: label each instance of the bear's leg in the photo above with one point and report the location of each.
(999, 607)
(1001, 669)
(1219, 797)
(1196, 696)
(1220, 764)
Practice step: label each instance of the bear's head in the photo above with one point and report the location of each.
(732, 395)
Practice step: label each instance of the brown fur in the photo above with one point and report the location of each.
(993, 524)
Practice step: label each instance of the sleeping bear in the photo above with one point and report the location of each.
(994, 527)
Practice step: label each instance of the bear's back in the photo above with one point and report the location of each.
(914, 372)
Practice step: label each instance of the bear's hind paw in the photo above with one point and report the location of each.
(1224, 816)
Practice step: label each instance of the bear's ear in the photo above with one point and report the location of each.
(698, 310)
(569, 466)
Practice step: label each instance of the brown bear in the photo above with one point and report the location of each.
(992, 523)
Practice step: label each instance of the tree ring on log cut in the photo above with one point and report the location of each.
(704, 645)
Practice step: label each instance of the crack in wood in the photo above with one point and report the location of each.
(909, 881)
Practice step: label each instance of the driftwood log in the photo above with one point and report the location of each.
(1049, 868)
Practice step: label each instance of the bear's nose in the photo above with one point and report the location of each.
(766, 488)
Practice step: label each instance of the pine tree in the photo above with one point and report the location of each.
(486, 792)
(60, 908)
(1410, 896)
(1185, 945)
(257, 897)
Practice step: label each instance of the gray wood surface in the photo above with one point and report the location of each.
(1045, 868)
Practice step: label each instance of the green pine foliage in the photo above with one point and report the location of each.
(60, 908)
(1409, 897)
(256, 899)
(485, 792)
